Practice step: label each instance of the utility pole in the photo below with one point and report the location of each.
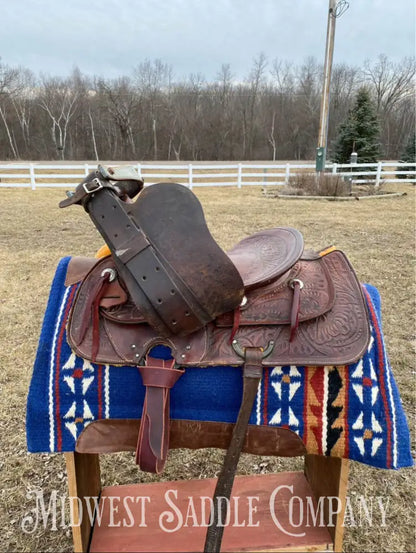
(323, 122)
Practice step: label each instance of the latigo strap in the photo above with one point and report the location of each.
(123, 181)
(252, 373)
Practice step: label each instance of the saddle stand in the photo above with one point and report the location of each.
(265, 303)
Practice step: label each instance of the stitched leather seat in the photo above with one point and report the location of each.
(266, 255)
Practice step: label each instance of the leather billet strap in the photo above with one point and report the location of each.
(92, 312)
(159, 376)
(251, 378)
(170, 305)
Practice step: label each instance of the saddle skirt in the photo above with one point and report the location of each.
(332, 320)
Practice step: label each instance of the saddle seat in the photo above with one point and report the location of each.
(266, 255)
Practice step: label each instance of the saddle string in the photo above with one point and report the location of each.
(92, 307)
(297, 286)
(106, 277)
(236, 323)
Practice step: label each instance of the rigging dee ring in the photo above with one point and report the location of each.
(111, 272)
(241, 351)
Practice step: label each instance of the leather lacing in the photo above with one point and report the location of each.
(297, 286)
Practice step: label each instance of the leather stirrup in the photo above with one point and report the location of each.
(159, 376)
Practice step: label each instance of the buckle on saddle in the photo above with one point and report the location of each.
(94, 182)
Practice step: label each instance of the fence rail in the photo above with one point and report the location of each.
(51, 175)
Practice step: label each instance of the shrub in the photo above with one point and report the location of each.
(312, 184)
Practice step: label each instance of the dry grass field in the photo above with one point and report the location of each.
(377, 235)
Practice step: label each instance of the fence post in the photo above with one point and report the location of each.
(239, 174)
(139, 170)
(190, 176)
(264, 176)
(86, 171)
(32, 176)
(287, 175)
(334, 168)
(378, 177)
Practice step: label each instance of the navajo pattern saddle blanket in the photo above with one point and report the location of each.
(353, 411)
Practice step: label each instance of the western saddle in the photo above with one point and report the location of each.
(266, 302)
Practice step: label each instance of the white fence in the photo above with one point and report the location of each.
(68, 175)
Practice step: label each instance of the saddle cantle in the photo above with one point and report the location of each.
(266, 303)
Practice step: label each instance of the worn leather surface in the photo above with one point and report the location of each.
(78, 268)
(266, 255)
(170, 263)
(333, 327)
(112, 435)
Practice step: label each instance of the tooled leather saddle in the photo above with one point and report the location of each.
(265, 303)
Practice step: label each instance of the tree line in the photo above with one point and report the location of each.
(271, 114)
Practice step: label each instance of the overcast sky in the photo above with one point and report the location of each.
(109, 37)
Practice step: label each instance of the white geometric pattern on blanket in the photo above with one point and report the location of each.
(293, 381)
(367, 437)
(73, 423)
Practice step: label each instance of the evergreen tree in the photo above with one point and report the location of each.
(359, 132)
(408, 155)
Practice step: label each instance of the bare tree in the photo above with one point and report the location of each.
(150, 116)
(153, 81)
(23, 104)
(393, 84)
(93, 135)
(249, 94)
(271, 137)
(391, 81)
(305, 116)
(284, 100)
(9, 87)
(152, 77)
(58, 99)
(122, 102)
